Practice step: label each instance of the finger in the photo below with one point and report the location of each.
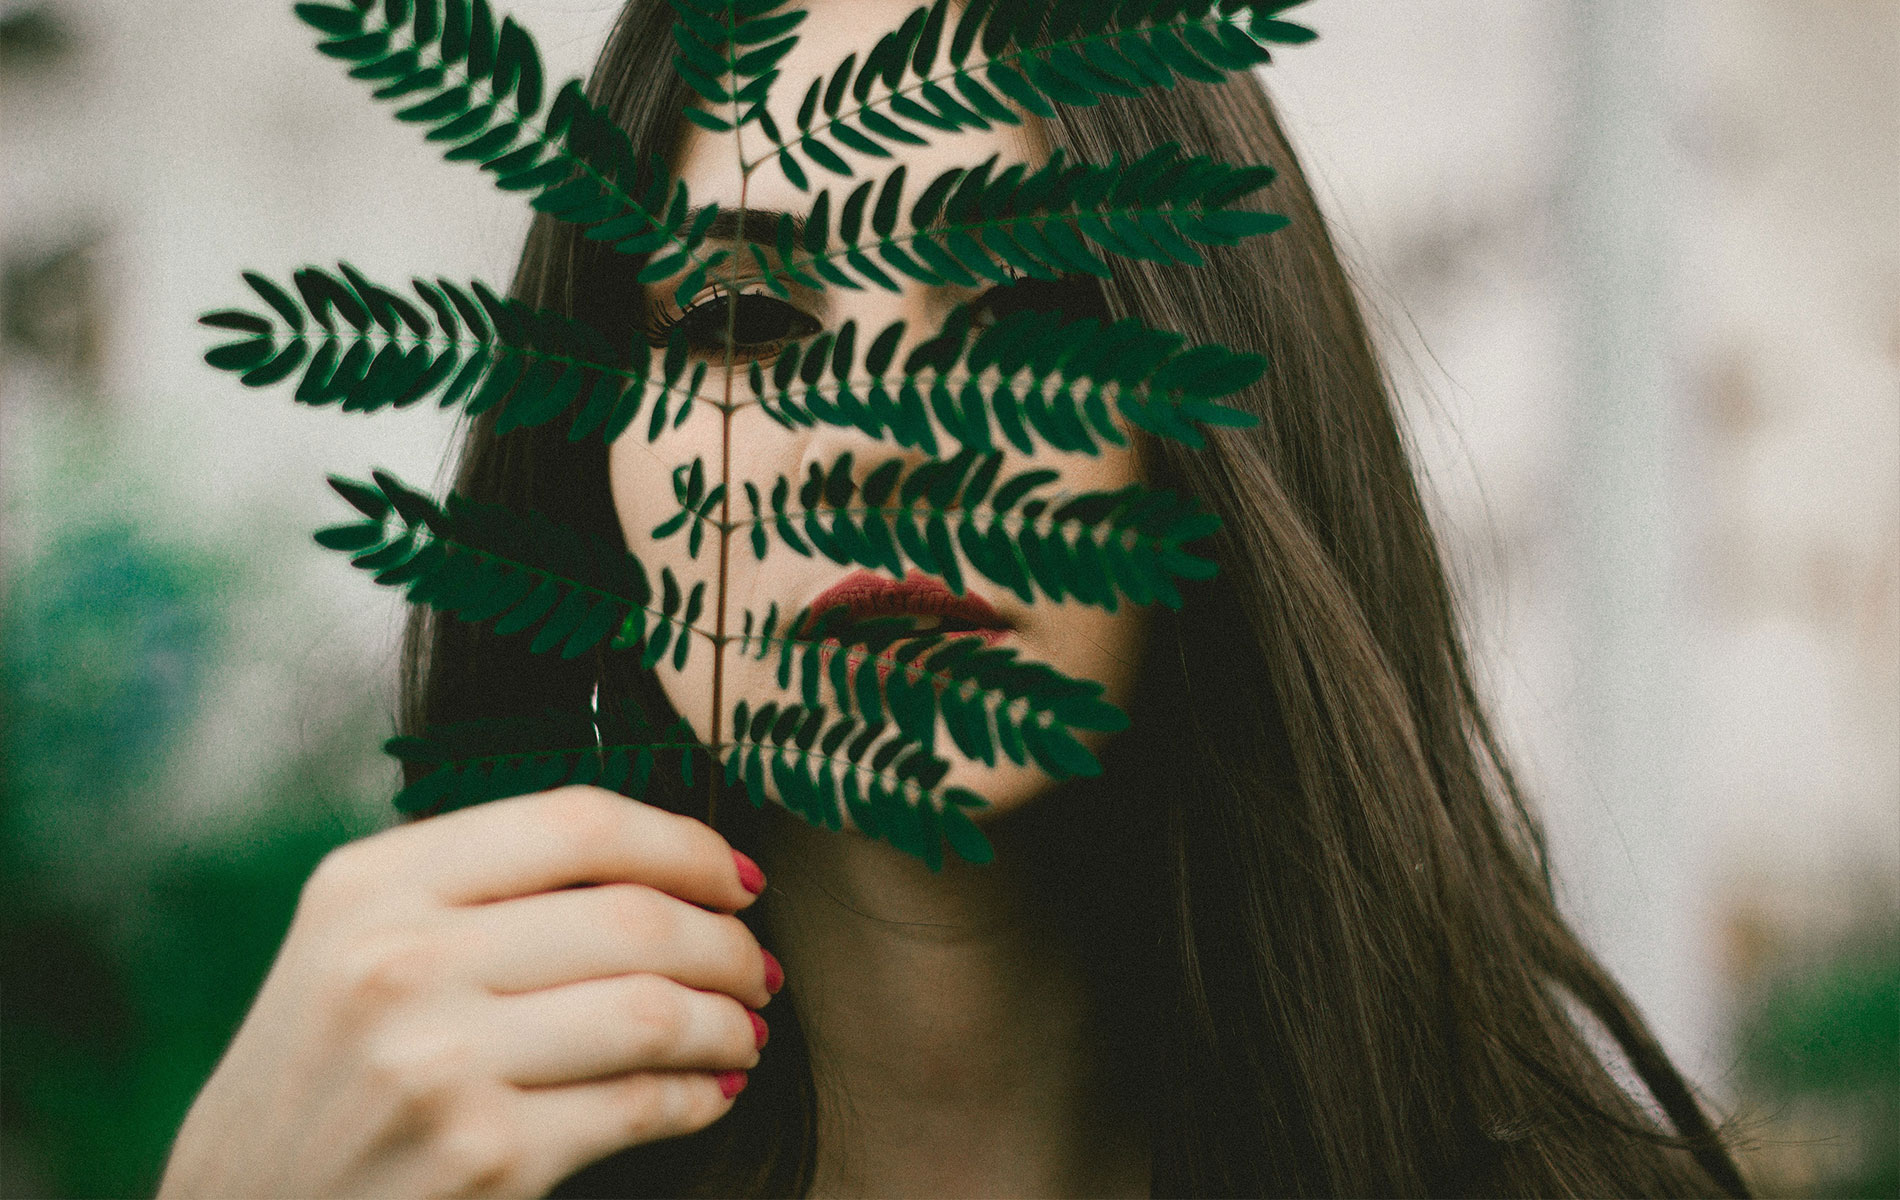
(604, 1027)
(585, 1122)
(552, 938)
(558, 838)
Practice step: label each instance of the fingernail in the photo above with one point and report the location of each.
(750, 877)
(731, 1083)
(774, 974)
(759, 1031)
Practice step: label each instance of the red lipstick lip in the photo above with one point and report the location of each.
(871, 594)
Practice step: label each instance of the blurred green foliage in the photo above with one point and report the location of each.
(1821, 1043)
(130, 945)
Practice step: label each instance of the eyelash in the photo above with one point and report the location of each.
(660, 328)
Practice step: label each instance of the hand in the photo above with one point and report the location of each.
(448, 1015)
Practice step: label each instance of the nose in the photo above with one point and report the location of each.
(923, 311)
(825, 446)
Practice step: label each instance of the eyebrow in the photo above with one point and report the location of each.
(758, 225)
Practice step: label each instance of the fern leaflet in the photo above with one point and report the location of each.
(916, 80)
(463, 345)
(1054, 378)
(822, 772)
(488, 759)
(1125, 542)
(481, 85)
(482, 562)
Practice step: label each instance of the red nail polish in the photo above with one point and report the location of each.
(750, 877)
(731, 1083)
(759, 1031)
(774, 974)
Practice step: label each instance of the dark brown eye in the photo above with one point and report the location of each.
(761, 325)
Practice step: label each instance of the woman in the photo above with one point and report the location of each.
(1296, 939)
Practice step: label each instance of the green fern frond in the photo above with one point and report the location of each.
(491, 758)
(1057, 378)
(729, 52)
(478, 86)
(1095, 546)
(967, 226)
(916, 79)
(888, 784)
(371, 348)
(884, 668)
(483, 562)
(1029, 380)
(822, 772)
(696, 505)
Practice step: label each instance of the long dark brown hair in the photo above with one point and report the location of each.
(1307, 863)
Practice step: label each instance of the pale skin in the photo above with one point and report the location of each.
(450, 1015)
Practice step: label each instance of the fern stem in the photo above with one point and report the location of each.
(714, 778)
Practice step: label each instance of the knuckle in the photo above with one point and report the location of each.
(641, 912)
(696, 840)
(383, 970)
(478, 1152)
(424, 1078)
(337, 880)
(740, 947)
(739, 1044)
(655, 1019)
(739, 961)
(584, 815)
(672, 1104)
(708, 844)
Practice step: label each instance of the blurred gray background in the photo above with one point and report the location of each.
(1636, 267)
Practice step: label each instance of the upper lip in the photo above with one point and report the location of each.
(870, 594)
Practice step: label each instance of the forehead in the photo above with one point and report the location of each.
(709, 162)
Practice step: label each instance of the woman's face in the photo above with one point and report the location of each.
(1076, 639)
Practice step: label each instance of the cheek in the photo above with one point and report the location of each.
(640, 475)
(1083, 642)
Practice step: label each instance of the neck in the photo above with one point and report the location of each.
(954, 1041)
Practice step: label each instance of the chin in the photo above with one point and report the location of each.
(1010, 788)
(1007, 786)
